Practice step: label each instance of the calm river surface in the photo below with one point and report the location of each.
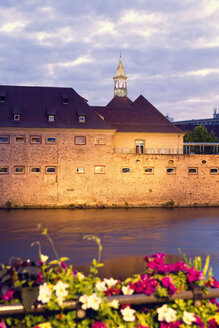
(127, 234)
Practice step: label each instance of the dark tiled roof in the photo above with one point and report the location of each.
(138, 116)
(34, 104)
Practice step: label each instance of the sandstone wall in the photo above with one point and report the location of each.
(67, 186)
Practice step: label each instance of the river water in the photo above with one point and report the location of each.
(127, 235)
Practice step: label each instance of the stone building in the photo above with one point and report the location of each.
(56, 150)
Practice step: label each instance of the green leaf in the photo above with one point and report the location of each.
(44, 232)
(29, 296)
(63, 259)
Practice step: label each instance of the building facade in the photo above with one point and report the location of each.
(56, 150)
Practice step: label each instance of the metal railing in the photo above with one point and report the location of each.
(149, 151)
(137, 299)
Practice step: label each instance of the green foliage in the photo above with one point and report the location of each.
(200, 134)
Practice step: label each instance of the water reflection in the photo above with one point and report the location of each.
(125, 233)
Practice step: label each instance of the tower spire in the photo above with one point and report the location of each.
(120, 84)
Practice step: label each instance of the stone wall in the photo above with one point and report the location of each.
(113, 187)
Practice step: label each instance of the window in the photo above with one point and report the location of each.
(51, 169)
(99, 141)
(193, 170)
(139, 145)
(214, 170)
(35, 170)
(149, 170)
(17, 117)
(171, 170)
(51, 118)
(80, 170)
(82, 119)
(20, 139)
(35, 139)
(3, 170)
(19, 169)
(99, 169)
(4, 139)
(50, 140)
(80, 140)
(126, 170)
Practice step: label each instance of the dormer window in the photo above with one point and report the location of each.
(51, 113)
(51, 118)
(82, 119)
(17, 117)
(65, 98)
(2, 95)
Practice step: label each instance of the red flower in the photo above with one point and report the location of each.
(193, 275)
(213, 324)
(8, 295)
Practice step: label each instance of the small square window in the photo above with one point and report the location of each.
(35, 170)
(51, 169)
(171, 170)
(99, 169)
(80, 140)
(193, 170)
(82, 119)
(126, 170)
(51, 118)
(3, 170)
(99, 141)
(50, 140)
(4, 139)
(214, 170)
(149, 170)
(17, 117)
(19, 169)
(35, 139)
(80, 170)
(20, 139)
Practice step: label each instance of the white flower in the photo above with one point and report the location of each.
(101, 286)
(43, 258)
(61, 292)
(188, 318)
(80, 276)
(110, 282)
(128, 314)
(166, 313)
(127, 290)
(44, 293)
(114, 304)
(90, 302)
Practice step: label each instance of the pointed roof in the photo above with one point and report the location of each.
(138, 116)
(120, 69)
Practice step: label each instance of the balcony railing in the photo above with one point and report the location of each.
(145, 151)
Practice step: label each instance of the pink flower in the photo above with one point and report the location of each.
(166, 282)
(212, 323)
(39, 278)
(63, 265)
(212, 283)
(145, 285)
(99, 324)
(176, 267)
(8, 295)
(175, 324)
(199, 323)
(2, 324)
(193, 275)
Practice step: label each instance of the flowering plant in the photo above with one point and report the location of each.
(102, 303)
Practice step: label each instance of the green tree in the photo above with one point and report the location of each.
(200, 134)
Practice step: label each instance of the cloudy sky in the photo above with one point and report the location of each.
(170, 49)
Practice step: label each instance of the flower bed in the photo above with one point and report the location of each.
(55, 295)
